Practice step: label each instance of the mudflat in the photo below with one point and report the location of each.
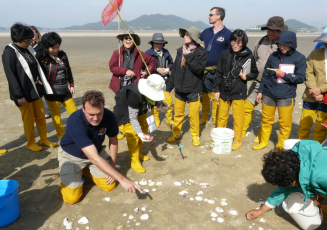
(235, 182)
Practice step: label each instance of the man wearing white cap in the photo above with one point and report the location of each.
(314, 107)
(131, 111)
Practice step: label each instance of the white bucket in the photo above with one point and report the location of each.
(221, 140)
(305, 214)
(289, 144)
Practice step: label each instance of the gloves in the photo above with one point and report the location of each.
(145, 137)
(162, 107)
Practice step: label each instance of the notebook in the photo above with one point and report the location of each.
(287, 68)
(247, 66)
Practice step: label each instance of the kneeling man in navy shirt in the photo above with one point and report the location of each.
(81, 150)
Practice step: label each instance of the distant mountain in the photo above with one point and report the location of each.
(145, 22)
(297, 25)
(293, 25)
(3, 28)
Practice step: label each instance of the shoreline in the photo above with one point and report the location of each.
(144, 33)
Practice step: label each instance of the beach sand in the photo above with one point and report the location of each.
(235, 177)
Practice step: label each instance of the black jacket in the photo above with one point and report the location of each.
(20, 85)
(228, 81)
(188, 79)
(129, 96)
(50, 67)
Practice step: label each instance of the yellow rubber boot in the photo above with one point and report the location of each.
(27, 112)
(145, 128)
(205, 108)
(54, 107)
(306, 122)
(257, 138)
(249, 107)
(121, 133)
(41, 124)
(2, 151)
(320, 131)
(70, 106)
(285, 124)
(214, 109)
(155, 113)
(238, 108)
(268, 119)
(223, 113)
(133, 143)
(169, 101)
(194, 121)
(71, 195)
(179, 108)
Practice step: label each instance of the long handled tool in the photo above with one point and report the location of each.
(146, 66)
(171, 128)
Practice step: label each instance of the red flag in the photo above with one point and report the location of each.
(109, 13)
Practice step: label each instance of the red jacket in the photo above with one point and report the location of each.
(118, 72)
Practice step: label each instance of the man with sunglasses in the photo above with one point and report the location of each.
(127, 66)
(216, 40)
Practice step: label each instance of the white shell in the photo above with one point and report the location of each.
(204, 185)
(117, 166)
(136, 211)
(205, 200)
(143, 182)
(146, 191)
(213, 219)
(177, 183)
(223, 203)
(191, 199)
(83, 220)
(151, 183)
(87, 227)
(107, 199)
(199, 193)
(125, 214)
(250, 226)
(211, 201)
(220, 220)
(219, 209)
(190, 180)
(213, 214)
(137, 223)
(260, 228)
(199, 198)
(69, 225)
(131, 217)
(183, 192)
(233, 212)
(262, 220)
(159, 183)
(144, 208)
(144, 217)
(154, 189)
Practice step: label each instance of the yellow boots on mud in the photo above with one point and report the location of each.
(54, 107)
(307, 119)
(179, 108)
(268, 119)
(34, 112)
(238, 119)
(206, 108)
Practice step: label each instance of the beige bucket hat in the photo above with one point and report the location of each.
(193, 31)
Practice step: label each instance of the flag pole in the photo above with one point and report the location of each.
(146, 66)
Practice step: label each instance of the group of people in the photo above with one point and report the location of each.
(217, 71)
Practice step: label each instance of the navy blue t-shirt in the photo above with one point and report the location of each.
(80, 133)
(220, 42)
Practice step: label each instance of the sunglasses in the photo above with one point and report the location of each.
(28, 41)
(127, 38)
(210, 15)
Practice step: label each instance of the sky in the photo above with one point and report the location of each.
(239, 13)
